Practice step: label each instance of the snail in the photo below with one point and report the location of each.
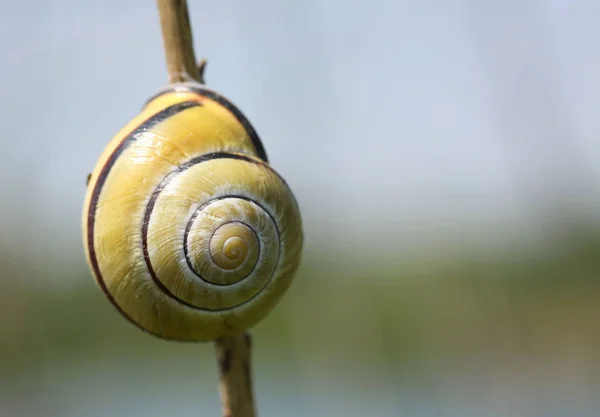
(187, 229)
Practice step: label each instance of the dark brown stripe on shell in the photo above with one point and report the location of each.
(187, 232)
(152, 202)
(204, 92)
(104, 172)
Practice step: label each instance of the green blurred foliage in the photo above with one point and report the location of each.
(364, 312)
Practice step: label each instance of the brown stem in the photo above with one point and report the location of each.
(233, 352)
(178, 41)
(235, 375)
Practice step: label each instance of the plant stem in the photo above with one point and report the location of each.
(233, 352)
(235, 373)
(178, 41)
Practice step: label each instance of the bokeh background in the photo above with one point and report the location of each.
(445, 155)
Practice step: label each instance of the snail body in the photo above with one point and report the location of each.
(187, 229)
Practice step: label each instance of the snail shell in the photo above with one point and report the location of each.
(187, 229)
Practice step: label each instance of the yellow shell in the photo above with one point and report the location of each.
(187, 229)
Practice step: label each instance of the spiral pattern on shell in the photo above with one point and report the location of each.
(189, 231)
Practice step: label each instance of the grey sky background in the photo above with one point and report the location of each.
(399, 125)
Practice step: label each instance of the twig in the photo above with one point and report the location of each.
(233, 352)
(178, 42)
(235, 385)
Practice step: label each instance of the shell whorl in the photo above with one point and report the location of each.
(189, 231)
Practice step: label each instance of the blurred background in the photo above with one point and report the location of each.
(445, 156)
